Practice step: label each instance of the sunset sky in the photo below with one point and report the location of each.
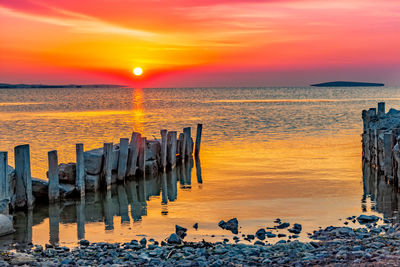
(199, 42)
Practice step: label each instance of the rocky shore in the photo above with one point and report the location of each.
(375, 243)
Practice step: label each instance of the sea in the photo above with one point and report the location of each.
(292, 153)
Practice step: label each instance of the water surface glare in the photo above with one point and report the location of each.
(292, 153)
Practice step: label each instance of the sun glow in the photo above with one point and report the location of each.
(137, 71)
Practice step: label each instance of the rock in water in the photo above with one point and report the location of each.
(180, 228)
(67, 173)
(363, 219)
(40, 189)
(260, 234)
(174, 239)
(283, 225)
(196, 226)
(6, 225)
(93, 161)
(92, 182)
(231, 225)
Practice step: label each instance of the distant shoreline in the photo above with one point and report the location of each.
(41, 86)
(347, 84)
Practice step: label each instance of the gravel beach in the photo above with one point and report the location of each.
(376, 243)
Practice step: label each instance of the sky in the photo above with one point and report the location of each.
(181, 43)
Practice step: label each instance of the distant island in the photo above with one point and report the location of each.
(346, 84)
(29, 86)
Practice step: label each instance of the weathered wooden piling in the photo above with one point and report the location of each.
(107, 165)
(4, 183)
(80, 170)
(388, 153)
(171, 149)
(381, 109)
(133, 154)
(182, 144)
(198, 139)
(123, 158)
(54, 188)
(164, 149)
(142, 156)
(188, 137)
(23, 183)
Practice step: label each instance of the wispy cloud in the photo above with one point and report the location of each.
(78, 22)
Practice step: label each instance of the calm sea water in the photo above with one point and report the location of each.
(292, 153)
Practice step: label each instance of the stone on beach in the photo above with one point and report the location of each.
(260, 234)
(174, 239)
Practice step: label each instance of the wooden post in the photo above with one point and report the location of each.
(80, 170)
(4, 183)
(171, 148)
(108, 162)
(133, 153)
(381, 109)
(164, 149)
(376, 159)
(198, 139)
(54, 189)
(188, 136)
(182, 142)
(123, 158)
(23, 183)
(388, 153)
(364, 116)
(142, 156)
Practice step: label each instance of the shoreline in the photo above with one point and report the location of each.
(377, 242)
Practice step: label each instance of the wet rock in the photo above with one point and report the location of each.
(143, 241)
(93, 160)
(196, 226)
(40, 189)
(22, 259)
(67, 173)
(152, 167)
(67, 190)
(363, 219)
(92, 182)
(84, 242)
(231, 225)
(283, 225)
(260, 234)
(270, 234)
(174, 239)
(6, 225)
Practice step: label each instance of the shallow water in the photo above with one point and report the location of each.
(292, 153)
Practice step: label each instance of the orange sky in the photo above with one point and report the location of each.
(199, 43)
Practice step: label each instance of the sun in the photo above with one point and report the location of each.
(137, 71)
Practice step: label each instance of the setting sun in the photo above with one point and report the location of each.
(137, 71)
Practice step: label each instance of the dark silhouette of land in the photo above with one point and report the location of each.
(28, 86)
(346, 84)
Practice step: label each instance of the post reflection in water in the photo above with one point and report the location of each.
(127, 201)
(382, 193)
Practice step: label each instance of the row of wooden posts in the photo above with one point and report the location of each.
(131, 162)
(379, 139)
